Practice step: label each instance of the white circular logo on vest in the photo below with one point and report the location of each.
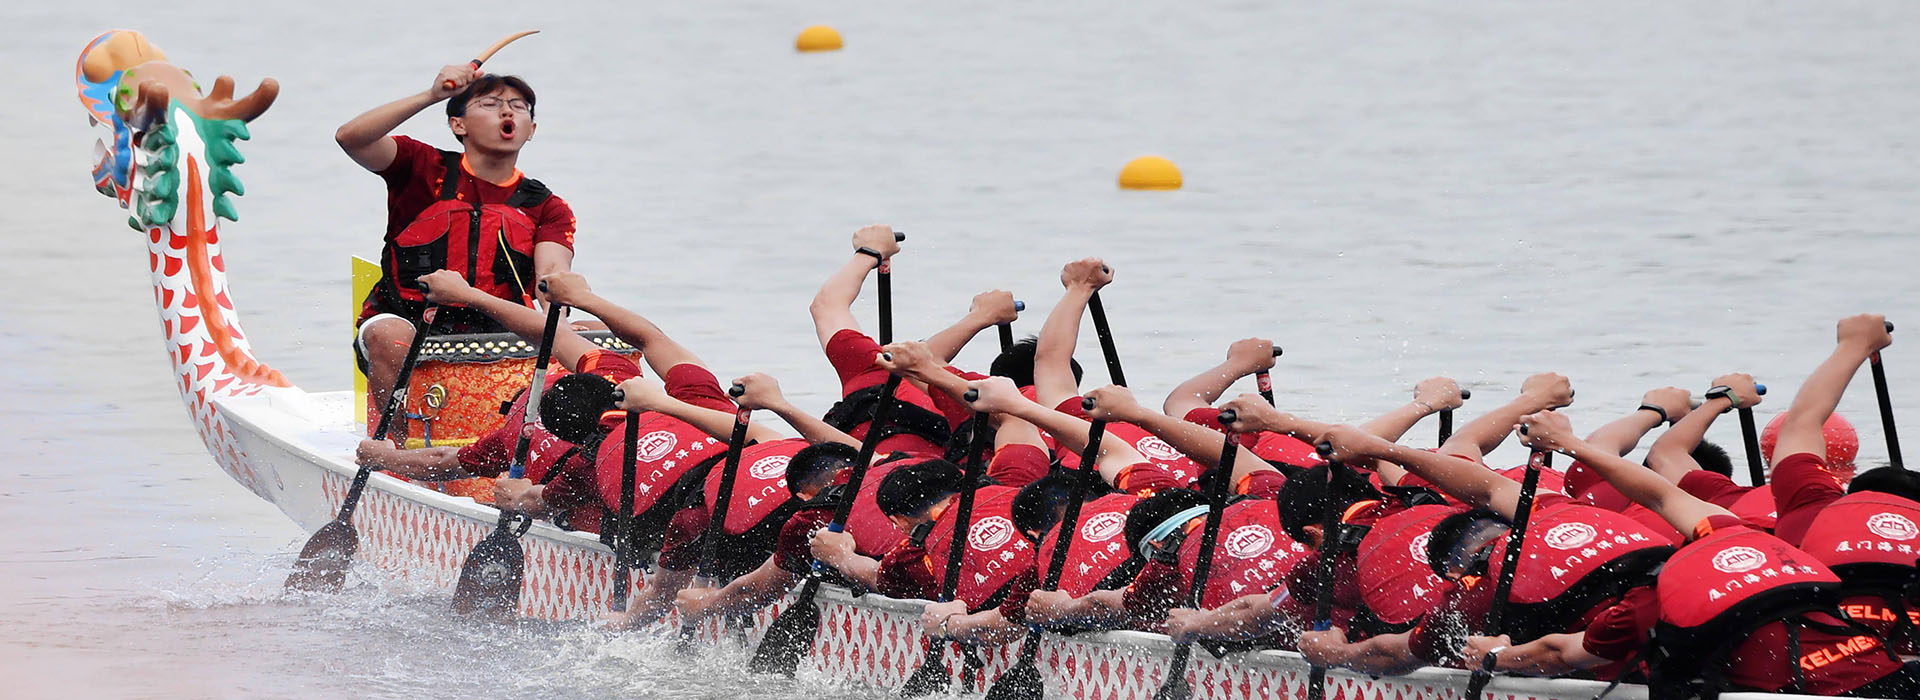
(656, 445)
(1570, 535)
(990, 533)
(1103, 527)
(1734, 560)
(1418, 548)
(769, 467)
(1155, 448)
(1893, 526)
(1248, 541)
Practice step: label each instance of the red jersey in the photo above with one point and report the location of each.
(995, 553)
(1272, 447)
(1155, 450)
(1253, 556)
(852, 355)
(1802, 487)
(669, 449)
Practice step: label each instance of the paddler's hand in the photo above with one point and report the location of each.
(1550, 390)
(1184, 623)
(1324, 648)
(1250, 355)
(993, 307)
(446, 287)
(1477, 648)
(997, 395)
(1114, 403)
(375, 453)
(935, 614)
(762, 391)
(518, 495)
(1677, 402)
(1354, 446)
(1048, 605)
(457, 75)
(832, 548)
(1743, 387)
(642, 395)
(1087, 273)
(1546, 430)
(1437, 394)
(1868, 332)
(1254, 415)
(694, 604)
(568, 289)
(877, 238)
(909, 358)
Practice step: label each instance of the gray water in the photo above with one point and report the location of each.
(1633, 194)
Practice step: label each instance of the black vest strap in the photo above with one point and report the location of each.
(450, 183)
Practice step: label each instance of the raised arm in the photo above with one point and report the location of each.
(364, 137)
(763, 392)
(1671, 456)
(1548, 430)
(448, 287)
(1539, 392)
(662, 353)
(642, 394)
(1244, 357)
(999, 395)
(1466, 480)
(990, 308)
(832, 306)
(1430, 396)
(1859, 337)
(1198, 442)
(1053, 357)
(1625, 432)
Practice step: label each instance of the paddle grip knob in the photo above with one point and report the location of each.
(1760, 389)
(1889, 326)
(886, 356)
(1086, 403)
(1019, 306)
(971, 396)
(1277, 351)
(1523, 430)
(1466, 394)
(1228, 416)
(620, 395)
(899, 236)
(1325, 449)
(543, 286)
(737, 390)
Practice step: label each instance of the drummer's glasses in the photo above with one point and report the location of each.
(493, 104)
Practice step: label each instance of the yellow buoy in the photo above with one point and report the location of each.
(818, 37)
(1150, 173)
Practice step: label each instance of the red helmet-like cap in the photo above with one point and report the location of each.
(1843, 443)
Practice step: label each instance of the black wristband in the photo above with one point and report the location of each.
(863, 250)
(1724, 392)
(1664, 418)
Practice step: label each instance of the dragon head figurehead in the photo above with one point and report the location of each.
(154, 109)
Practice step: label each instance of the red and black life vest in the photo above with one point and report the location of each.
(1157, 451)
(1098, 549)
(906, 418)
(490, 245)
(995, 554)
(760, 488)
(671, 458)
(873, 533)
(1871, 540)
(1252, 555)
(1396, 583)
(1574, 558)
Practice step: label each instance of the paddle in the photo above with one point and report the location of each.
(1323, 599)
(1022, 681)
(1264, 381)
(490, 578)
(1749, 435)
(1503, 589)
(1446, 417)
(491, 50)
(1100, 328)
(322, 566)
(623, 521)
(716, 520)
(885, 288)
(791, 634)
(1176, 686)
(1006, 329)
(932, 676)
(1886, 408)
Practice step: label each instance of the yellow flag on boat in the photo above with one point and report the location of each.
(365, 274)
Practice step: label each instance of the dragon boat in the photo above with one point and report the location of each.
(168, 154)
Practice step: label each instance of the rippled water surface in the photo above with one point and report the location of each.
(1634, 194)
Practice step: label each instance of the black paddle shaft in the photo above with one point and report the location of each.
(1329, 540)
(885, 288)
(1503, 589)
(710, 543)
(1886, 408)
(1175, 686)
(1446, 418)
(395, 399)
(1263, 381)
(623, 521)
(932, 677)
(1100, 328)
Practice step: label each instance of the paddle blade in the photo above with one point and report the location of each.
(1317, 683)
(1175, 687)
(322, 566)
(490, 579)
(685, 643)
(788, 639)
(931, 677)
(1022, 682)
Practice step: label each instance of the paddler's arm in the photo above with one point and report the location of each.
(990, 308)
(642, 394)
(1552, 655)
(1198, 442)
(917, 361)
(999, 395)
(1244, 357)
(1053, 380)
(661, 351)
(364, 137)
(1671, 456)
(1430, 396)
(448, 287)
(1385, 655)
(752, 591)
(985, 627)
(763, 391)
(1804, 428)
(1625, 432)
(1468, 481)
(832, 306)
(835, 549)
(424, 464)
(1243, 618)
(1539, 392)
(1548, 430)
(1099, 609)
